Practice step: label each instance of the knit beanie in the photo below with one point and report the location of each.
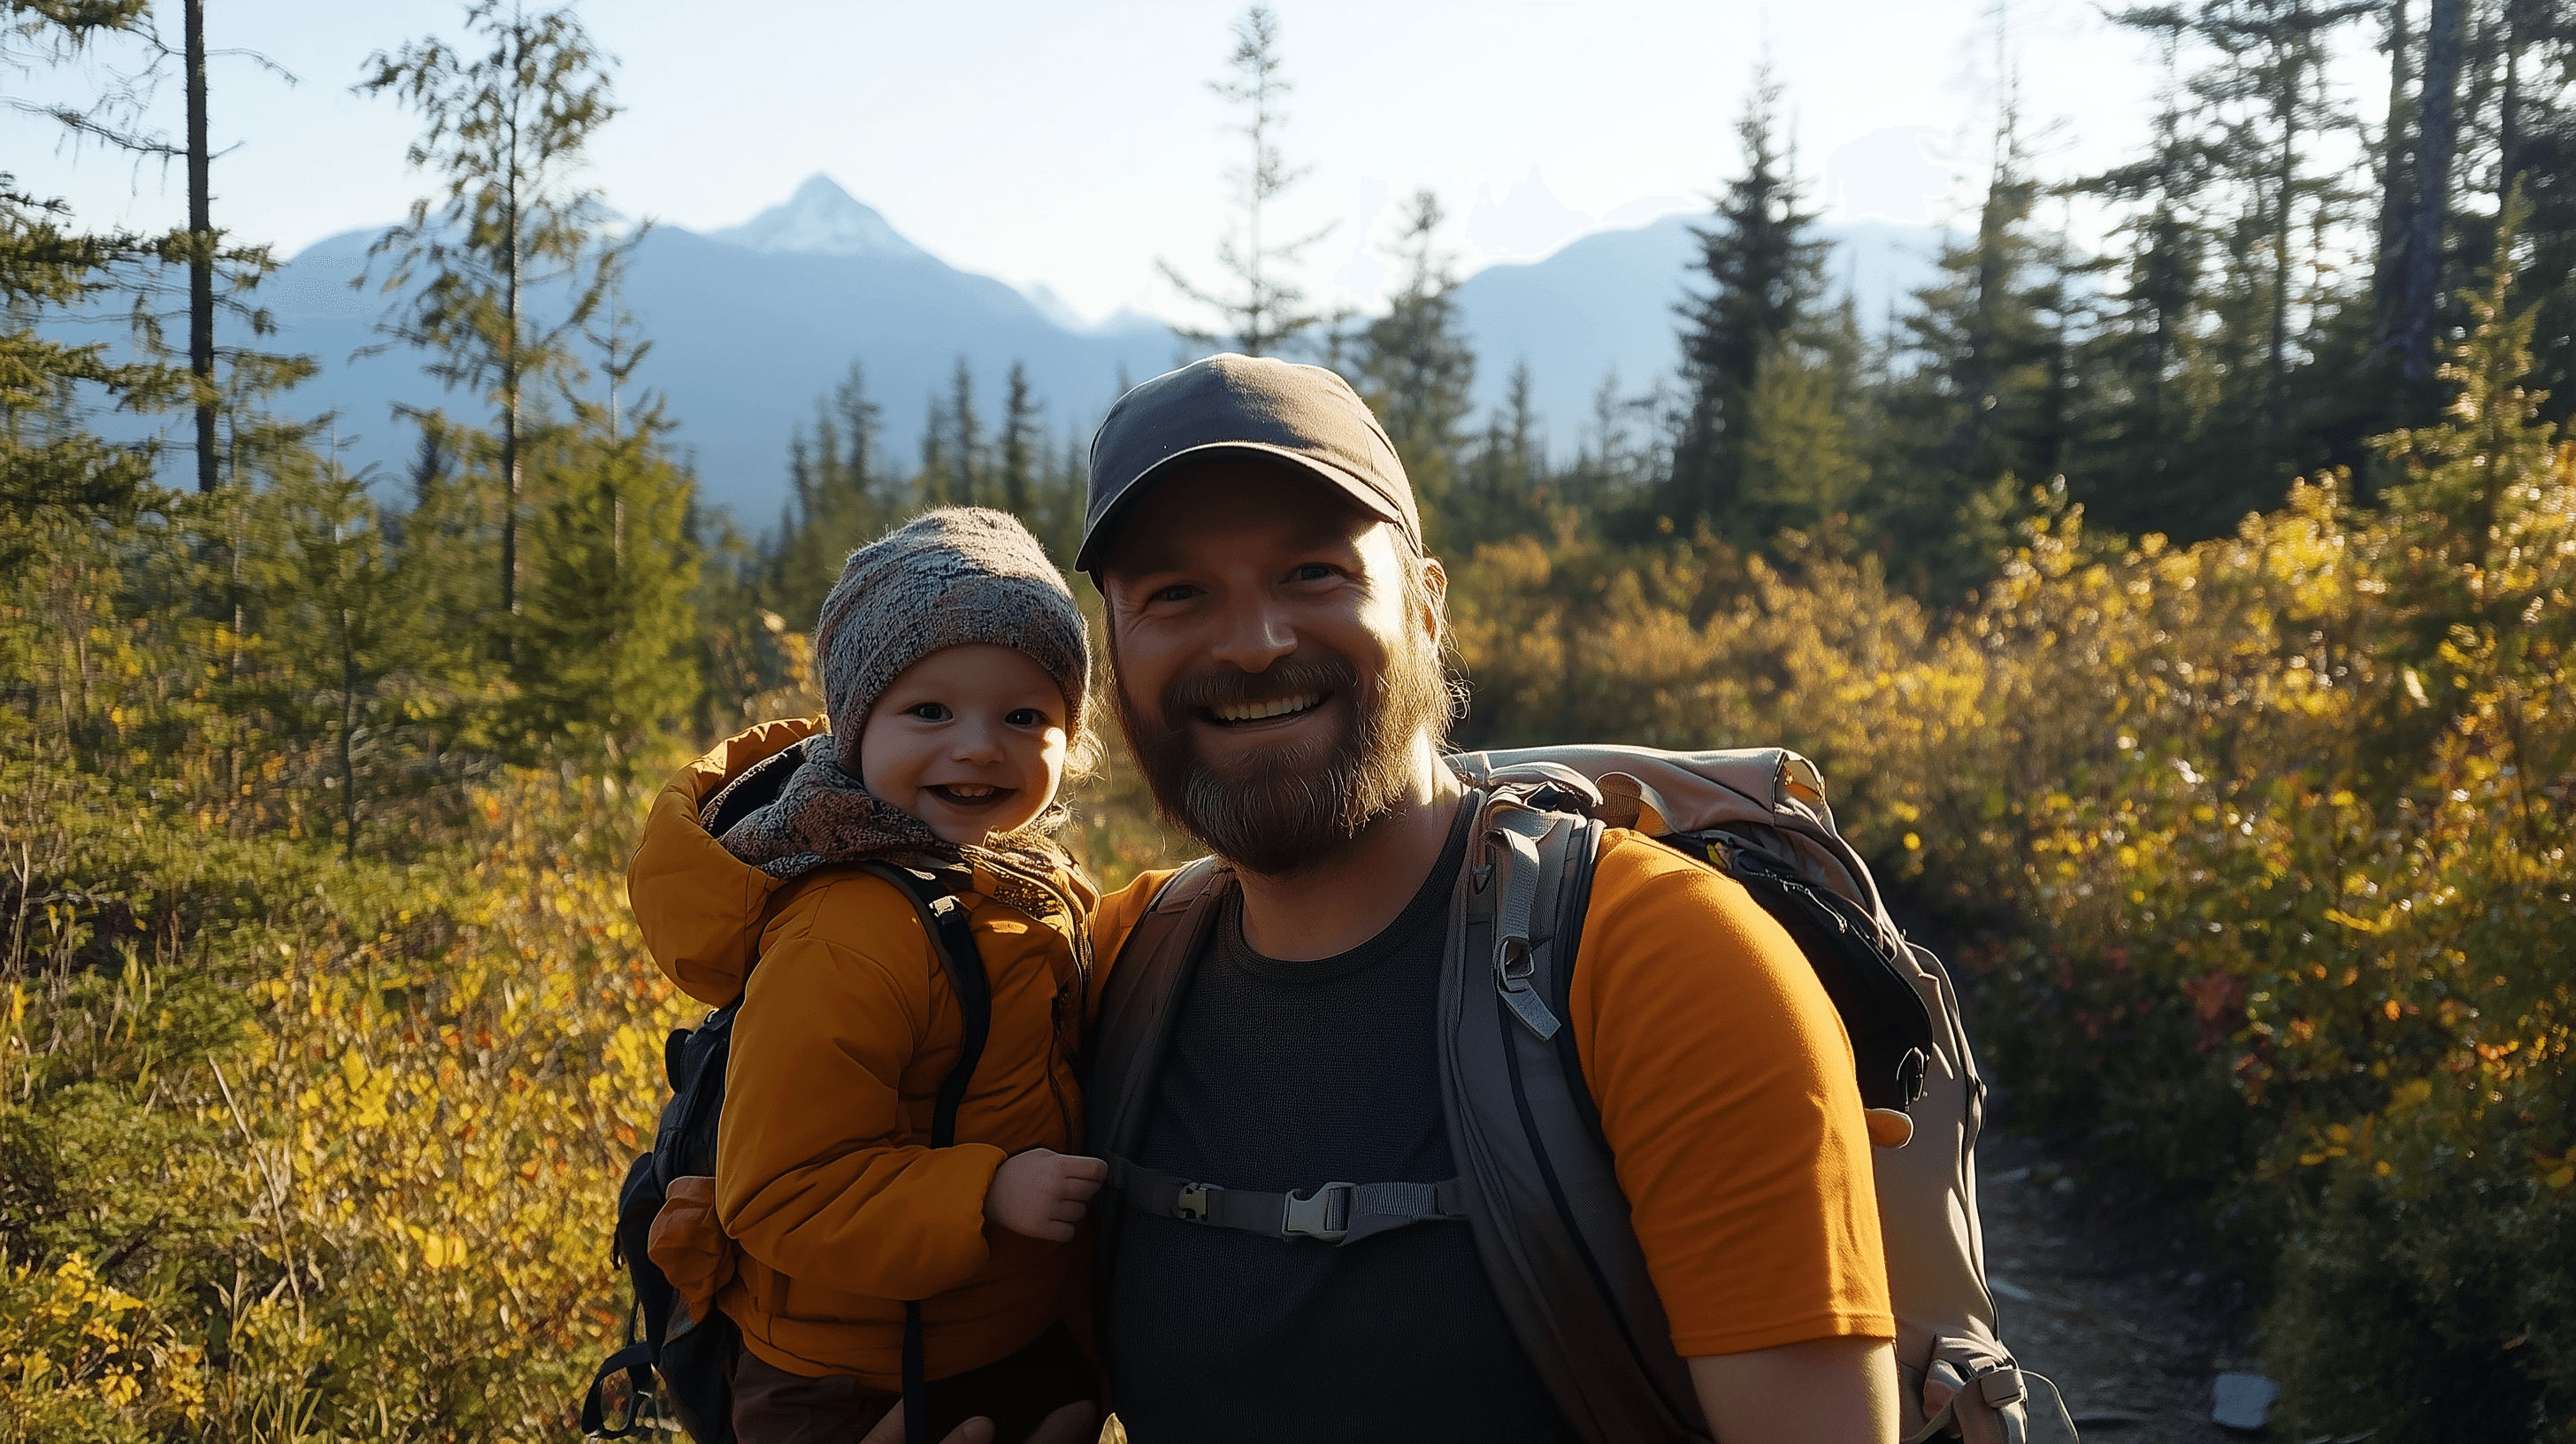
(945, 578)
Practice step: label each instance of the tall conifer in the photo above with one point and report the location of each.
(1263, 309)
(507, 117)
(1765, 271)
(1415, 365)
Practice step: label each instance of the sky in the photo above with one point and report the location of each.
(1070, 146)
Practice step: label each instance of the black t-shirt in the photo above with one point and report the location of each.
(1286, 1075)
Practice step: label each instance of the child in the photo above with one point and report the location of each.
(954, 669)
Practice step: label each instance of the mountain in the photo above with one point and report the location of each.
(1605, 301)
(751, 324)
(821, 219)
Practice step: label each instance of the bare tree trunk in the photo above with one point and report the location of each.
(2388, 282)
(510, 385)
(348, 725)
(2439, 132)
(2509, 109)
(201, 247)
(2276, 353)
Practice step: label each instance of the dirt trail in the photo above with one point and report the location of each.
(2118, 1313)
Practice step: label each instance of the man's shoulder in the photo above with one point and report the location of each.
(1656, 909)
(1632, 872)
(1120, 911)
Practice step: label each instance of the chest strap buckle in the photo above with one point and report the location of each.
(1192, 1203)
(1322, 1213)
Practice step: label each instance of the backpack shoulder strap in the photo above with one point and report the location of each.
(944, 921)
(1140, 999)
(951, 932)
(1137, 1008)
(1540, 1187)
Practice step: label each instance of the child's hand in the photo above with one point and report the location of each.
(1043, 1193)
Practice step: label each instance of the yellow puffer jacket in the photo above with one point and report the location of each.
(824, 1174)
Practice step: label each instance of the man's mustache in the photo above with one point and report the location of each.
(1224, 685)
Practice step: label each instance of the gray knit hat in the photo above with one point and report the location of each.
(944, 579)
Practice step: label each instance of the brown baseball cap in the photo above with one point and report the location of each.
(1302, 414)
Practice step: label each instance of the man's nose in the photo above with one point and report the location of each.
(1259, 636)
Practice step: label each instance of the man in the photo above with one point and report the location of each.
(1275, 631)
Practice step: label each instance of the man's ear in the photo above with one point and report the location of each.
(1435, 601)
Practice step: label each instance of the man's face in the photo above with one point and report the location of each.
(1275, 673)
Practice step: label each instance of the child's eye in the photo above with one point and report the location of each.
(1312, 572)
(1025, 717)
(929, 711)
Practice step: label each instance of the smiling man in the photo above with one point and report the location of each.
(1275, 631)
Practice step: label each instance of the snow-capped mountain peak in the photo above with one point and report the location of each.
(820, 219)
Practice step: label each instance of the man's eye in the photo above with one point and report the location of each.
(1176, 592)
(1025, 717)
(929, 711)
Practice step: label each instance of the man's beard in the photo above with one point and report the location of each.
(1284, 809)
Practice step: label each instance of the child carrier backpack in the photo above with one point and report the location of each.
(679, 1367)
(1535, 1181)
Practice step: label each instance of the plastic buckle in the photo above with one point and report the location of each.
(1192, 1203)
(1311, 1214)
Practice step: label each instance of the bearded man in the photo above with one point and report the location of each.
(1275, 632)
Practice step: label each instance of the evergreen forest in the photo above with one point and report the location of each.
(2177, 593)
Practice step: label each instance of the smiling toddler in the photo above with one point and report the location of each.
(955, 669)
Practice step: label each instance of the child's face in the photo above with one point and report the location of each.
(970, 739)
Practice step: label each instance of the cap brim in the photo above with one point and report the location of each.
(1360, 492)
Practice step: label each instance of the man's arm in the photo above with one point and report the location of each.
(1726, 1091)
(1824, 1391)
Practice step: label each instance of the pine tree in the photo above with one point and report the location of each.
(1765, 269)
(2519, 129)
(611, 609)
(930, 486)
(2270, 95)
(1505, 491)
(1799, 464)
(51, 465)
(115, 118)
(505, 128)
(1416, 367)
(2140, 413)
(1019, 446)
(2436, 131)
(1970, 424)
(838, 501)
(49, 460)
(967, 488)
(2470, 473)
(1265, 311)
(860, 420)
(451, 546)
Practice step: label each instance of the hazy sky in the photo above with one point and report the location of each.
(1069, 145)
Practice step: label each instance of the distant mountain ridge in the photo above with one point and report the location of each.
(753, 323)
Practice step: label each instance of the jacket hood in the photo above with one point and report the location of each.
(700, 908)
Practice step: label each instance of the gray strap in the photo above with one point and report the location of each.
(1336, 1213)
(1516, 865)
